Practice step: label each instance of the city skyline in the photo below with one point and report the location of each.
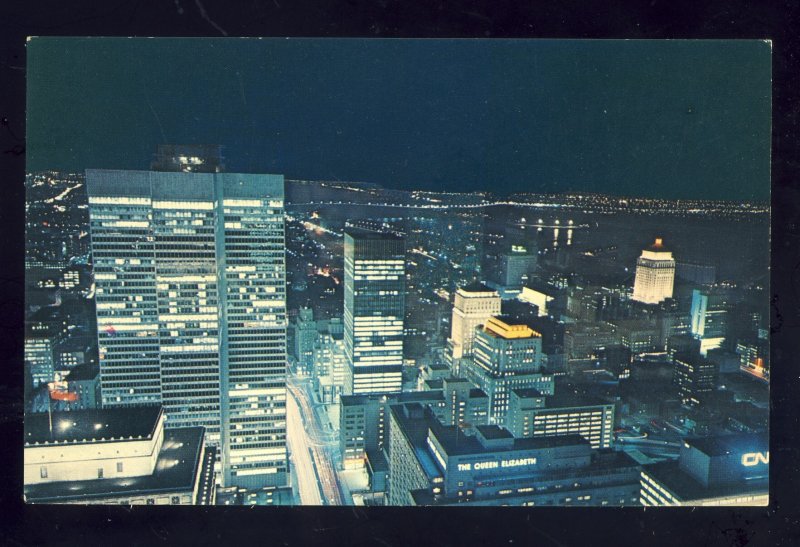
(245, 325)
(641, 118)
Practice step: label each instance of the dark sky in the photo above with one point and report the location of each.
(675, 119)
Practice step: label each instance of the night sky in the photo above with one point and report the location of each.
(673, 119)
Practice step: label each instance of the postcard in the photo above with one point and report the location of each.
(377, 272)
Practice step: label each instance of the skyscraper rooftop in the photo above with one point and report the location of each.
(194, 158)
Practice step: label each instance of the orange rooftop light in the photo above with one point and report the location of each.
(500, 328)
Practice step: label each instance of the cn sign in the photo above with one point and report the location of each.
(755, 458)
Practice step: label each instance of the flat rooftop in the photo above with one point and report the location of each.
(604, 466)
(527, 392)
(494, 432)
(434, 385)
(687, 488)
(476, 287)
(730, 444)
(83, 372)
(361, 233)
(394, 398)
(89, 426)
(455, 442)
(177, 466)
(476, 392)
(376, 461)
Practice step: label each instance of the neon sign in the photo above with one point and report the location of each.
(479, 466)
(754, 458)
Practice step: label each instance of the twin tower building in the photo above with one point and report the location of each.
(189, 265)
(190, 274)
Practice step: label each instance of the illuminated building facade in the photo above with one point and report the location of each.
(709, 319)
(39, 356)
(726, 470)
(363, 424)
(473, 305)
(363, 419)
(531, 414)
(434, 464)
(695, 376)
(191, 305)
(374, 308)
(655, 274)
(116, 456)
(305, 337)
(329, 367)
(508, 272)
(506, 356)
(754, 358)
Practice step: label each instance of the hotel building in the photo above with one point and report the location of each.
(434, 464)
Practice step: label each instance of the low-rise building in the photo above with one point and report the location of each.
(723, 470)
(84, 382)
(581, 340)
(116, 456)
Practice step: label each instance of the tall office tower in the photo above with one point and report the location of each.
(506, 356)
(305, 337)
(472, 307)
(655, 274)
(191, 305)
(695, 376)
(39, 357)
(709, 319)
(514, 268)
(374, 294)
(329, 365)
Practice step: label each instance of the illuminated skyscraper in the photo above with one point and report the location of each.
(655, 274)
(191, 306)
(506, 356)
(472, 307)
(695, 376)
(305, 337)
(709, 318)
(374, 294)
